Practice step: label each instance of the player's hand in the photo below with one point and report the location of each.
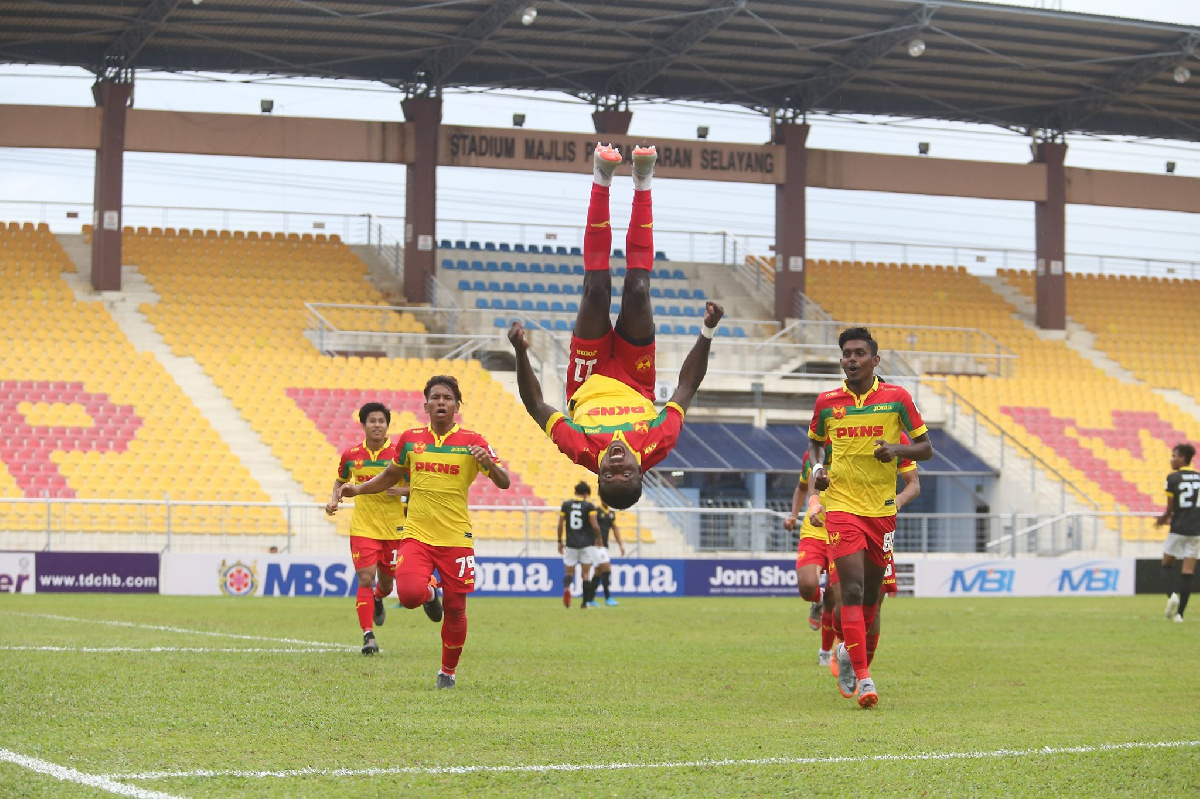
(397, 491)
(346, 491)
(712, 314)
(820, 479)
(482, 456)
(789, 523)
(883, 451)
(516, 336)
(622, 550)
(331, 508)
(816, 512)
(1160, 521)
(560, 547)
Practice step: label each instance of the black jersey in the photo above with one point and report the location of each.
(605, 516)
(1184, 485)
(576, 512)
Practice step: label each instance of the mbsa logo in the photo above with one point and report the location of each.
(1089, 578)
(308, 579)
(986, 578)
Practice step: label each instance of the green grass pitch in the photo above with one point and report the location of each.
(657, 697)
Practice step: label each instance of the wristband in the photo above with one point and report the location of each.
(820, 467)
(707, 331)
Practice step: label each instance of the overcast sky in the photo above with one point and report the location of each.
(302, 186)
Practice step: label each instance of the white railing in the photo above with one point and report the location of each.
(189, 525)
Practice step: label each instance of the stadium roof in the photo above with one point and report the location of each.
(1017, 68)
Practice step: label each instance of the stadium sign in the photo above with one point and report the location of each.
(542, 577)
(257, 575)
(1025, 577)
(741, 578)
(97, 572)
(17, 573)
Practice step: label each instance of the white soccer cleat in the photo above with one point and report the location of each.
(643, 167)
(1178, 617)
(1172, 606)
(824, 657)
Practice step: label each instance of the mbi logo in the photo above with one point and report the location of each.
(1088, 578)
(982, 579)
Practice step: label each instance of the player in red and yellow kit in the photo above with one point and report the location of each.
(862, 421)
(377, 521)
(442, 460)
(614, 429)
(812, 558)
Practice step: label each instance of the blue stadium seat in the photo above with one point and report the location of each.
(526, 305)
(680, 330)
(723, 331)
(656, 292)
(447, 263)
(464, 285)
(500, 321)
(557, 305)
(518, 248)
(547, 249)
(474, 246)
(445, 244)
(539, 288)
(619, 272)
(509, 288)
(476, 266)
(562, 324)
(660, 256)
(674, 310)
(462, 265)
(578, 269)
(504, 247)
(490, 246)
(492, 266)
(678, 274)
(698, 294)
(576, 251)
(481, 303)
(660, 310)
(523, 288)
(668, 294)
(546, 324)
(542, 305)
(497, 304)
(561, 250)
(493, 286)
(739, 332)
(616, 307)
(460, 245)
(571, 288)
(691, 310)
(506, 266)
(553, 288)
(572, 306)
(521, 266)
(618, 253)
(693, 330)
(664, 329)
(535, 267)
(512, 305)
(478, 285)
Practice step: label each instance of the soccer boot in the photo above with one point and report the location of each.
(847, 682)
(1179, 617)
(566, 597)
(612, 603)
(867, 695)
(380, 613)
(824, 658)
(643, 167)
(369, 647)
(814, 615)
(445, 680)
(433, 608)
(605, 161)
(1172, 606)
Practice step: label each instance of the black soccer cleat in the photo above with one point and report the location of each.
(380, 613)
(369, 647)
(433, 608)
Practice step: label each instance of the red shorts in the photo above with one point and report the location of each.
(889, 576)
(455, 565)
(368, 552)
(832, 572)
(611, 356)
(850, 533)
(812, 550)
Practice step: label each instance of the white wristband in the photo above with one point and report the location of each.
(707, 331)
(820, 467)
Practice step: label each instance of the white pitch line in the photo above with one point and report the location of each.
(71, 775)
(559, 767)
(188, 649)
(160, 628)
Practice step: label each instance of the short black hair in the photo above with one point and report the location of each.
(858, 334)
(1187, 451)
(449, 381)
(621, 496)
(583, 488)
(374, 407)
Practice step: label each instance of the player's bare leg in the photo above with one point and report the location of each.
(636, 319)
(592, 321)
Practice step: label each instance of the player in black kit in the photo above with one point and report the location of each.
(1183, 514)
(607, 518)
(578, 518)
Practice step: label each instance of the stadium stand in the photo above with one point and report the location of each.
(1112, 439)
(235, 302)
(83, 415)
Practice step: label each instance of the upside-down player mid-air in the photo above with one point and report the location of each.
(614, 429)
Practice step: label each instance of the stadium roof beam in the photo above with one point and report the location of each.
(432, 73)
(1070, 114)
(636, 74)
(119, 57)
(812, 91)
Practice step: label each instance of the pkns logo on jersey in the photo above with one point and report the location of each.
(986, 578)
(1089, 578)
(435, 467)
(866, 431)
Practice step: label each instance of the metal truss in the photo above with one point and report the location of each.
(117, 61)
(432, 73)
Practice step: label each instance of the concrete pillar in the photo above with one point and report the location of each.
(791, 226)
(114, 98)
(616, 122)
(1050, 220)
(424, 117)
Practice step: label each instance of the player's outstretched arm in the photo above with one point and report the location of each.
(695, 365)
(379, 483)
(799, 496)
(527, 382)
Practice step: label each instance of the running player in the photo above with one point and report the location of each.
(377, 521)
(614, 429)
(578, 518)
(862, 421)
(443, 460)
(606, 517)
(811, 560)
(1183, 541)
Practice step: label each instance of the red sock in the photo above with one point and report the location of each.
(872, 644)
(639, 241)
(827, 632)
(869, 616)
(378, 593)
(837, 625)
(597, 238)
(454, 630)
(364, 603)
(856, 639)
(869, 622)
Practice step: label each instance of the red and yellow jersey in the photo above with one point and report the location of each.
(377, 516)
(806, 529)
(604, 409)
(441, 470)
(852, 423)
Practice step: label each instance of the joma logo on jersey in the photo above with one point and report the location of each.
(650, 448)
(617, 410)
(866, 431)
(435, 467)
